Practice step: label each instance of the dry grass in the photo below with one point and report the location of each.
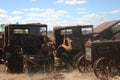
(50, 35)
(73, 75)
(57, 75)
(7, 76)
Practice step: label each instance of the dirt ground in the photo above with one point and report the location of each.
(61, 75)
(58, 75)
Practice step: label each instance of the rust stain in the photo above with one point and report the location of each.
(105, 25)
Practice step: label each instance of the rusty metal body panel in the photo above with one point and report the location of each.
(106, 30)
(109, 49)
(76, 35)
(70, 40)
(104, 57)
(24, 40)
(17, 31)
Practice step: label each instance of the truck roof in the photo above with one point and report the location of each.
(26, 25)
(105, 26)
(67, 27)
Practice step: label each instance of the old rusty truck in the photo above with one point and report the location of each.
(102, 55)
(25, 46)
(69, 42)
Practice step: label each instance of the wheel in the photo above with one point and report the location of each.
(83, 65)
(114, 68)
(101, 68)
(75, 59)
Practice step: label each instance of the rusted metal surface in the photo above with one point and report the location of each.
(1, 43)
(107, 30)
(25, 39)
(69, 41)
(109, 48)
(67, 27)
(105, 25)
(29, 25)
(76, 35)
(103, 54)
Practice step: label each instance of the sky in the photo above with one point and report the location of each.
(59, 12)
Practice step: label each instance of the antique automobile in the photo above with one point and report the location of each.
(69, 42)
(106, 30)
(26, 45)
(102, 55)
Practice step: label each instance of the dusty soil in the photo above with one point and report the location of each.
(73, 75)
(59, 75)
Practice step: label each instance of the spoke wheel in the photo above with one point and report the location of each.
(83, 65)
(113, 68)
(101, 68)
(75, 59)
